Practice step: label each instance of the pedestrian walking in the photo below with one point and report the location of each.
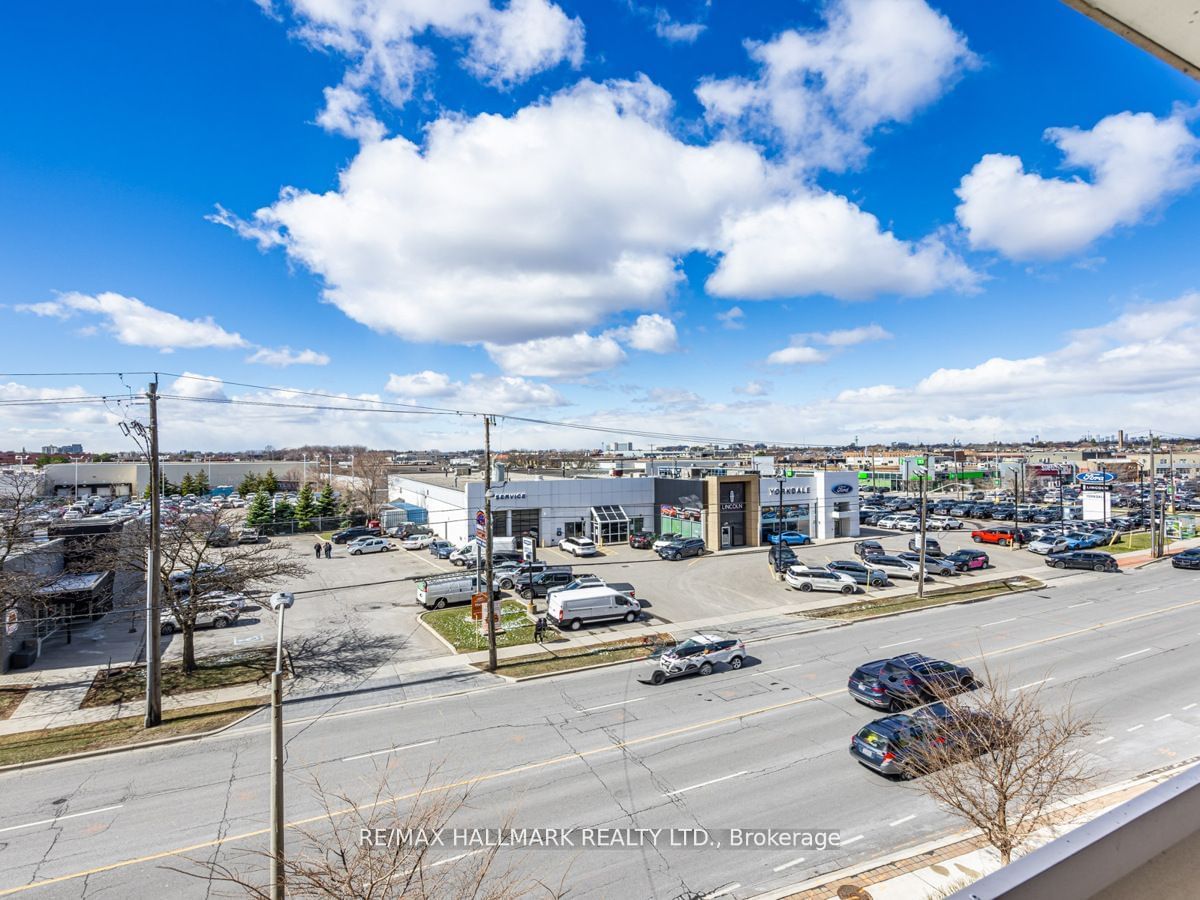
(328, 550)
(317, 549)
(539, 630)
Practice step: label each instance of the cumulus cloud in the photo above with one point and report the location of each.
(479, 393)
(197, 386)
(753, 388)
(1134, 161)
(135, 323)
(281, 357)
(801, 351)
(848, 337)
(823, 92)
(382, 42)
(797, 356)
(558, 357)
(653, 333)
(732, 318)
(675, 32)
(821, 243)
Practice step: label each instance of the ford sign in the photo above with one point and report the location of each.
(1095, 477)
(841, 488)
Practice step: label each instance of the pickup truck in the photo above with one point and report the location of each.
(248, 536)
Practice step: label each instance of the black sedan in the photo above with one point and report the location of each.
(1188, 559)
(1083, 559)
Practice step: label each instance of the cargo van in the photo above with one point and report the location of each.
(438, 593)
(573, 609)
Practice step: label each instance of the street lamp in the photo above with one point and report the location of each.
(75, 459)
(779, 527)
(280, 602)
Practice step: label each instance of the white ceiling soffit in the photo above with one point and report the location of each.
(1170, 29)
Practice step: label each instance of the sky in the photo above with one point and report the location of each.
(793, 222)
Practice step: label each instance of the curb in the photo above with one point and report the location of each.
(449, 646)
(839, 623)
(516, 679)
(124, 748)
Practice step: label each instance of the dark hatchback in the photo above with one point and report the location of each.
(1083, 559)
(642, 540)
(907, 680)
(968, 559)
(1188, 559)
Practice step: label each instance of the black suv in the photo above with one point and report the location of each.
(862, 573)
(907, 680)
(542, 582)
(499, 557)
(355, 531)
(1188, 559)
(781, 556)
(863, 549)
(681, 548)
(509, 575)
(932, 547)
(1082, 559)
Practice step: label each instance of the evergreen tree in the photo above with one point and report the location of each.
(269, 482)
(249, 485)
(200, 483)
(259, 510)
(326, 505)
(284, 511)
(187, 486)
(305, 508)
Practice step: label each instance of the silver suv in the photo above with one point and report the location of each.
(698, 655)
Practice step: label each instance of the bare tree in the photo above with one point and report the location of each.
(367, 486)
(198, 566)
(366, 850)
(1003, 760)
(24, 565)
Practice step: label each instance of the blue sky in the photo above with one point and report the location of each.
(765, 220)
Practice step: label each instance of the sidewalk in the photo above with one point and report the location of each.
(1137, 558)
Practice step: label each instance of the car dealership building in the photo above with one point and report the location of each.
(728, 506)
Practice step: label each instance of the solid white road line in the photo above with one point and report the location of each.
(389, 750)
(1104, 740)
(722, 891)
(1031, 684)
(57, 819)
(608, 705)
(898, 644)
(1001, 622)
(1136, 727)
(849, 841)
(1160, 718)
(1135, 653)
(704, 784)
(788, 865)
(901, 821)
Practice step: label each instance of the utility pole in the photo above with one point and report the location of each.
(153, 576)
(779, 526)
(921, 549)
(487, 514)
(1153, 504)
(1018, 484)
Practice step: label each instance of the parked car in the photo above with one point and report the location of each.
(933, 565)
(356, 531)
(573, 609)
(682, 548)
(698, 655)
(586, 581)
(780, 556)
(998, 534)
(508, 575)
(207, 614)
(662, 540)
(1083, 559)
(441, 549)
(1188, 559)
(932, 547)
(862, 573)
(578, 546)
(541, 583)
(642, 540)
(1049, 543)
(943, 523)
(417, 541)
(369, 545)
(895, 566)
(1080, 540)
(806, 579)
(863, 549)
(907, 680)
(791, 538)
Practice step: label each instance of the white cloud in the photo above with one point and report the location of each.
(753, 388)
(134, 323)
(380, 41)
(1134, 161)
(674, 32)
(822, 92)
(286, 356)
(558, 357)
(797, 356)
(821, 243)
(508, 229)
(849, 337)
(479, 393)
(732, 318)
(653, 333)
(193, 384)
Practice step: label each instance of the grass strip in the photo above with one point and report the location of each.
(563, 661)
(127, 684)
(10, 698)
(1127, 543)
(129, 731)
(454, 623)
(908, 602)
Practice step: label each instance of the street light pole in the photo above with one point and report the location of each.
(487, 515)
(153, 576)
(779, 528)
(76, 461)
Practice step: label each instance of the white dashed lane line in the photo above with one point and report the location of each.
(1136, 727)
(901, 821)
(722, 891)
(898, 644)
(1104, 740)
(703, 784)
(608, 705)
(57, 819)
(1001, 622)
(1134, 653)
(1160, 718)
(1084, 603)
(389, 750)
(1189, 706)
(1031, 684)
(788, 865)
(848, 841)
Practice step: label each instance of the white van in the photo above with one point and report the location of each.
(438, 593)
(571, 609)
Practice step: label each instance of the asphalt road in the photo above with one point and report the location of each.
(763, 747)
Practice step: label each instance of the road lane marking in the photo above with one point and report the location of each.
(902, 821)
(389, 750)
(849, 841)
(442, 862)
(788, 865)
(898, 644)
(705, 783)
(1135, 653)
(1001, 622)
(57, 819)
(1164, 716)
(781, 669)
(1031, 684)
(1136, 727)
(1084, 603)
(1189, 706)
(1146, 591)
(722, 891)
(533, 766)
(608, 705)
(1104, 740)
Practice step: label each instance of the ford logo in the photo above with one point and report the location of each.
(842, 488)
(1095, 477)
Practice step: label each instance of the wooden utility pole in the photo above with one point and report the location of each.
(487, 514)
(1154, 550)
(153, 578)
(921, 549)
